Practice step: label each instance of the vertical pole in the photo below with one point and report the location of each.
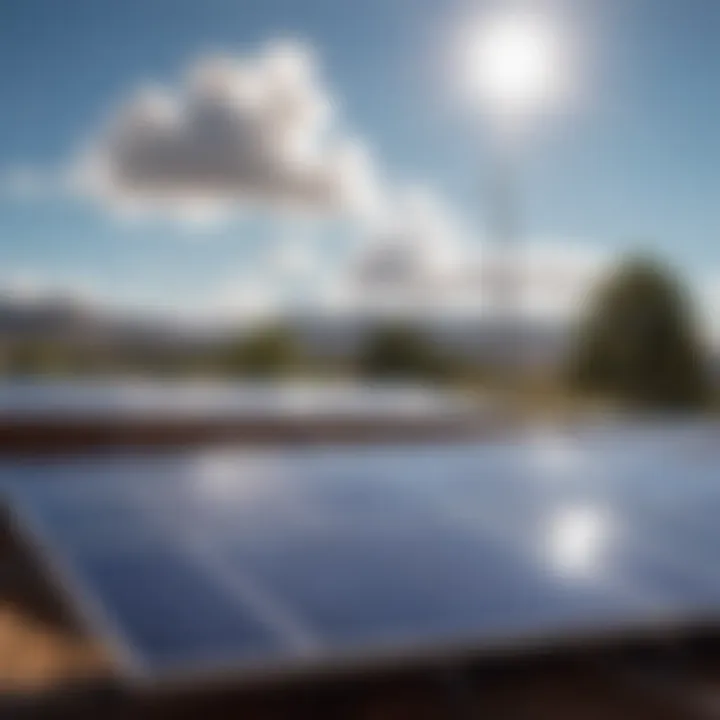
(504, 271)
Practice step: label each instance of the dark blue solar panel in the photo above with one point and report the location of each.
(224, 557)
(171, 611)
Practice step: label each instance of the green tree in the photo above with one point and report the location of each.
(36, 357)
(400, 351)
(638, 342)
(266, 352)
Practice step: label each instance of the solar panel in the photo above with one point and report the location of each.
(225, 558)
(36, 400)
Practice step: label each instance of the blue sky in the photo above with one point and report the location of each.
(636, 162)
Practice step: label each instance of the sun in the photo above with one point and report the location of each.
(515, 63)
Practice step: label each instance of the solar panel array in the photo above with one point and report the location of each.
(200, 560)
(138, 399)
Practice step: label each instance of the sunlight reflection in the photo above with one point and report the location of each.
(555, 455)
(577, 540)
(230, 477)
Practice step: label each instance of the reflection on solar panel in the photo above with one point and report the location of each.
(216, 559)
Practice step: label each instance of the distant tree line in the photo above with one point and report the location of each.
(636, 345)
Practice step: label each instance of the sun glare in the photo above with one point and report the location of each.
(515, 63)
(577, 538)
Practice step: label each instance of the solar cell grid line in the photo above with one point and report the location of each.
(245, 590)
(673, 521)
(657, 526)
(92, 613)
(275, 615)
(651, 522)
(504, 539)
(661, 485)
(699, 559)
(440, 479)
(494, 524)
(144, 647)
(83, 481)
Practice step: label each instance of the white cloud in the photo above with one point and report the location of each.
(258, 130)
(421, 260)
(709, 308)
(557, 277)
(246, 299)
(551, 287)
(553, 280)
(262, 131)
(419, 243)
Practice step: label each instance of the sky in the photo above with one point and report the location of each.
(148, 156)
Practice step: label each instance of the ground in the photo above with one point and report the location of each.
(40, 644)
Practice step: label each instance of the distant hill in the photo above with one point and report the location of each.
(78, 324)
